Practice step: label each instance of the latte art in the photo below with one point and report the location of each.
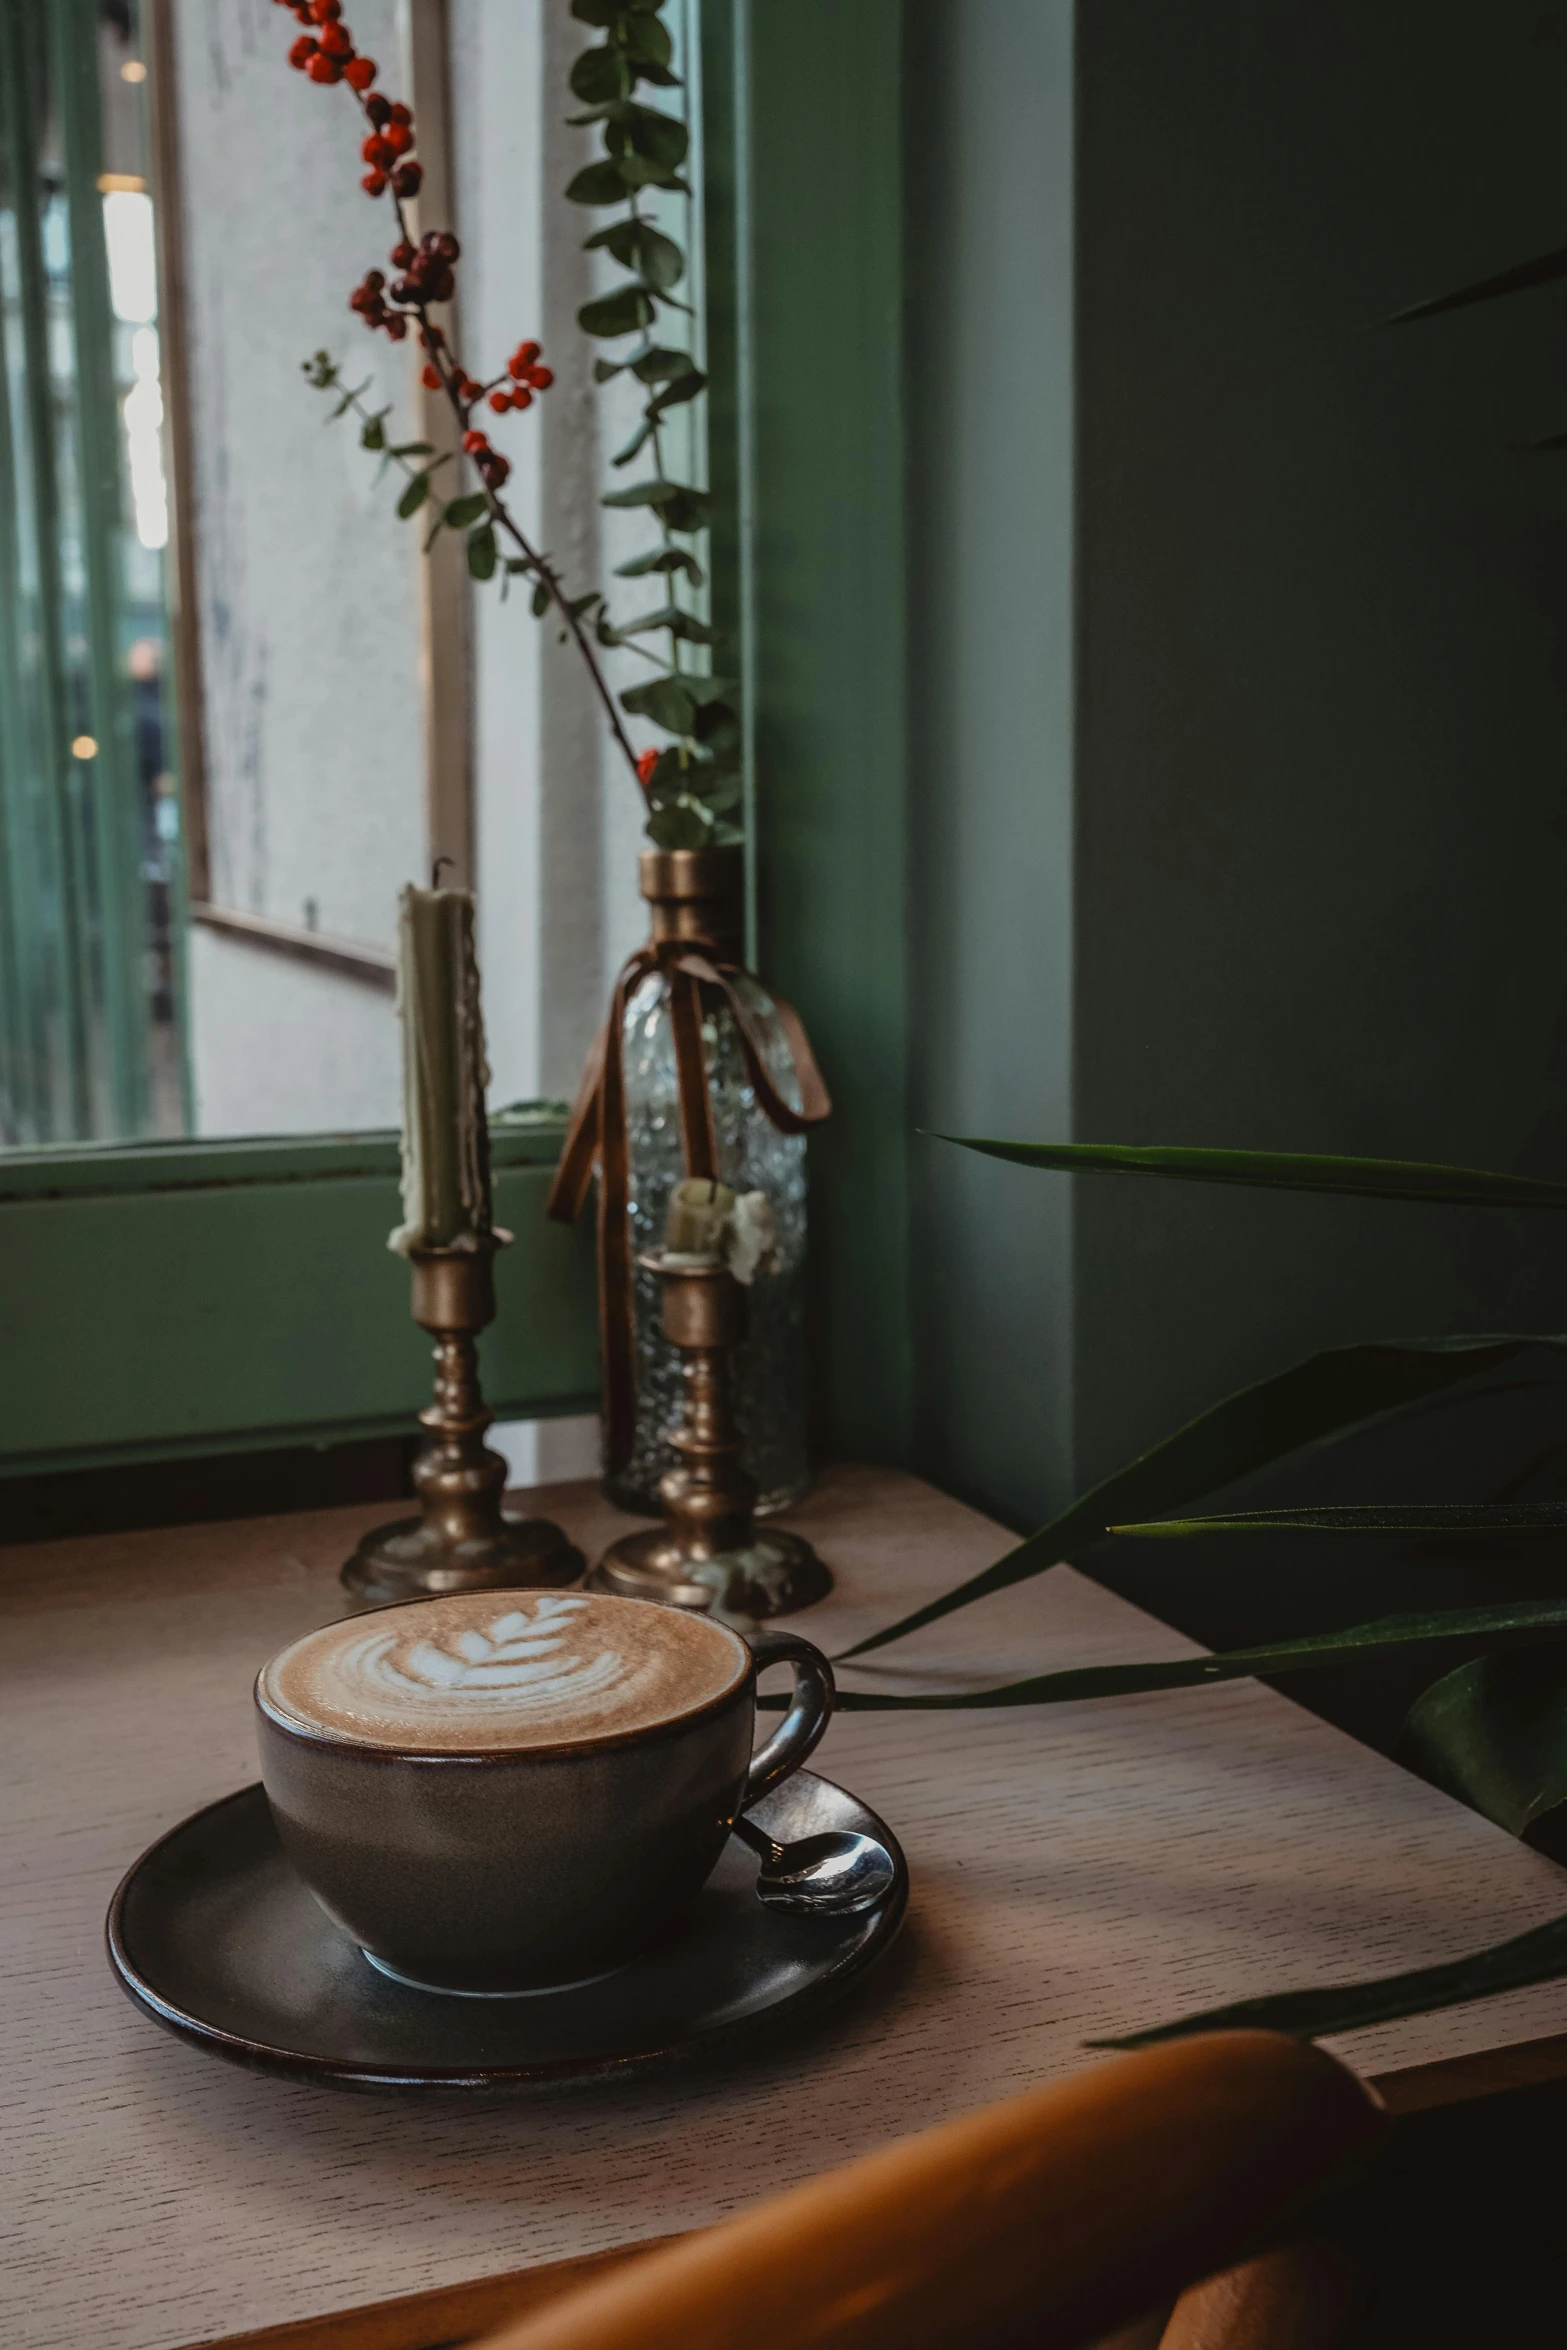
(501, 1669)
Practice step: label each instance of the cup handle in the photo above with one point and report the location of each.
(810, 1711)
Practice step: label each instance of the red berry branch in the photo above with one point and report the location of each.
(426, 276)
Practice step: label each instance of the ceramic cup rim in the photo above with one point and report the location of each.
(318, 1740)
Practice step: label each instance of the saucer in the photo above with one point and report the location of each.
(213, 1935)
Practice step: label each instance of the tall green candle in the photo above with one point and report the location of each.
(446, 1146)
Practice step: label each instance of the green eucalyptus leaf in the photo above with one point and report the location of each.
(372, 433)
(540, 601)
(604, 370)
(413, 449)
(660, 495)
(466, 509)
(653, 136)
(685, 511)
(597, 12)
(648, 42)
(640, 171)
(414, 495)
(666, 700)
(1376, 1517)
(681, 624)
(482, 552)
(685, 387)
(1344, 1387)
(718, 726)
(660, 364)
(619, 313)
(600, 74)
(599, 183)
(637, 443)
(1540, 1956)
(1400, 1179)
(1494, 1733)
(580, 604)
(716, 792)
(637, 245)
(679, 827)
(1542, 272)
(663, 559)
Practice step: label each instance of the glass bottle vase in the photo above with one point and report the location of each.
(695, 893)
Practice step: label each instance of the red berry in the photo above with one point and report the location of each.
(396, 327)
(326, 11)
(541, 378)
(398, 136)
(401, 254)
(377, 153)
(473, 442)
(500, 402)
(398, 112)
(521, 399)
(646, 762)
(325, 69)
(496, 469)
(302, 52)
(523, 357)
(406, 180)
(378, 108)
(336, 42)
(359, 72)
(430, 377)
(374, 183)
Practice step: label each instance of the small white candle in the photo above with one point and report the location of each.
(446, 1144)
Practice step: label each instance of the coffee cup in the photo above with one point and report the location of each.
(510, 1791)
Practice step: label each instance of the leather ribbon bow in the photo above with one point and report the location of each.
(597, 1134)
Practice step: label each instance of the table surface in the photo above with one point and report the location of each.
(1077, 1870)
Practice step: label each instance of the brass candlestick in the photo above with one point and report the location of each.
(709, 1553)
(461, 1541)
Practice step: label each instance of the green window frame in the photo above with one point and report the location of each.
(165, 1299)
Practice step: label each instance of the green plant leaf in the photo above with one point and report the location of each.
(597, 12)
(662, 496)
(650, 135)
(1388, 1636)
(684, 387)
(481, 552)
(1494, 1733)
(599, 183)
(414, 495)
(1326, 1395)
(600, 74)
(413, 449)
(648, 41)
(540, 601)
(466, 509)
(717, 725)
(667, 701)
(1376, 1517)
(663, 559)
(659, 364)
(1542, 272)
(635, 244)
(623, 312)
(679, 827)
(681, 624)
(637, 443)
(372, 433)
(640, 171)
(1539, 1956)
(1401, 1179)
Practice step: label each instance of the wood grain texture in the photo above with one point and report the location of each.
(1076, 1871)
(1045, 2218)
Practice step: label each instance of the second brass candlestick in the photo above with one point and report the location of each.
(709, 1553)
(462, 1540)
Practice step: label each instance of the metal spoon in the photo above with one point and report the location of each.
(832, 1875)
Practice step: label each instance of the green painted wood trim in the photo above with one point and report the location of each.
(189, 1298)
(817, 331)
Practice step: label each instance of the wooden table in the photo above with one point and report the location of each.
(1077, 1870)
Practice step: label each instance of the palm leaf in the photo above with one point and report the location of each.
(1344, 1387)
(1400, 1179)
(1388, 1636)
(1494, 1733)
(1539, 1956)
(1490, 289)
(1379, 1517)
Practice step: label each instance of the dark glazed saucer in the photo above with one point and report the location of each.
(214, 1935)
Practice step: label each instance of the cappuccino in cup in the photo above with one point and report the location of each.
(509, 1791)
